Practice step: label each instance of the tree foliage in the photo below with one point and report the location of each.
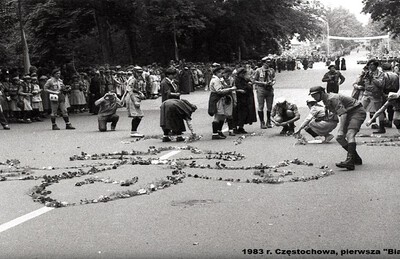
(385, 11)
(136, 31)
(345, 24)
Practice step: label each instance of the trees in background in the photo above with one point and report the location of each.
(345, 24)
(387, 12)
(144, 31)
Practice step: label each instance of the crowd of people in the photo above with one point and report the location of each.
(24, 99)
(231, 100)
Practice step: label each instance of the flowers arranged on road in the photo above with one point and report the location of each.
(381, 140)
(262, 173)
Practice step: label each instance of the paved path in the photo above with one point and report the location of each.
(201, 218)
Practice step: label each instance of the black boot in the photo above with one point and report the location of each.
(269, 124)
(53, 123)
(357, 158)
(220, 125)
(215, 129)
(262, 122)
(348, 163)
(382, 129)
(68, 125)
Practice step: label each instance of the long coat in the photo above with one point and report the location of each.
(166, 88)
(186, 81)
(246, 108)
(174, 112)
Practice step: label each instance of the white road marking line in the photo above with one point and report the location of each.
(24, 218)
(41, 211)
(172, 153)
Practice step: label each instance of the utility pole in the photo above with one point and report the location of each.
(327, 39)
(175, 38)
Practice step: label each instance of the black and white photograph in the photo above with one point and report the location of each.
(199, 129)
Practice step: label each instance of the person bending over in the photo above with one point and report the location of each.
(351, 116)
(319, 121)
(284, 115)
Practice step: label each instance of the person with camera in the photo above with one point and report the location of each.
(56, 89)
(108, 105)
(332, 78)
(373, 97)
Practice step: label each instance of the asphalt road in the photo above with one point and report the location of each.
(199, 218)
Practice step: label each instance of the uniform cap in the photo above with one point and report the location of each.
(266, 59)
(215, 70)
(316, 89)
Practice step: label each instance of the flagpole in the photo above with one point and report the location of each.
(27, 63)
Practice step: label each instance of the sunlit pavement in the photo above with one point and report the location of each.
(202, 218)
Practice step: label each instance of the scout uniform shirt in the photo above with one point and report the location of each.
(56, 85)
(340, 104)
(265, 75)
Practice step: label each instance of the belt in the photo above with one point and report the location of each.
(355, 107)
(266, 86)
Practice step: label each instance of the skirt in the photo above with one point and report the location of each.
(4, 103)
(77, 98)
(37, 106)
(27, 105)
(322, 128)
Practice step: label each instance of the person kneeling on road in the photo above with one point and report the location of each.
(108, 105)
(285, 114)
(319, 121)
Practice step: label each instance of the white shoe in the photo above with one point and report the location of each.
(315, 141)
(328, 138)
(137, 135)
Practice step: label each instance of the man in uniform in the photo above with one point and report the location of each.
(390, 84)
(332, 78)
(372, 99)
(264, 79)
(351, 116)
